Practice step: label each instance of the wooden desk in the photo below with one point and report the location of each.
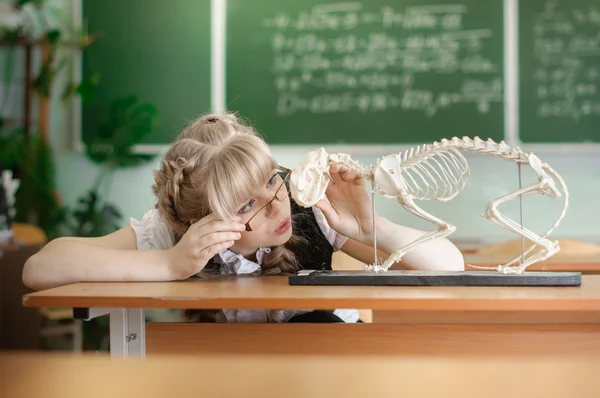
(65, 376)
(414, 321)
(585, 265)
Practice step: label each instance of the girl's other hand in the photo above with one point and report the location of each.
(202, 241)
(349, 209)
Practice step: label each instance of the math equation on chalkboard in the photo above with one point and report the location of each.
(323, 63)
(425, 65)
(560, 70)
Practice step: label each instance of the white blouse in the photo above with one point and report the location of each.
(152, 232)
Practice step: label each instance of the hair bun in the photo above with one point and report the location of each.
(226, 118)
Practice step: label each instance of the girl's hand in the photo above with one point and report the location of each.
(202, 241)
(349, 209)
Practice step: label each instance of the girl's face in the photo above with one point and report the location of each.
(268, 216)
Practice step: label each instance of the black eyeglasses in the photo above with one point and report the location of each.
(259, 218)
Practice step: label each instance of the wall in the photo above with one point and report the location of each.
(490, 178)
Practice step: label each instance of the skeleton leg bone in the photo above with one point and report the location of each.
(547, 247)
(553, 193)
(444, 229)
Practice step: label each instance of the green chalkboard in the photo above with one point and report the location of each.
(559, 72)
(158, 50)
(368, 71)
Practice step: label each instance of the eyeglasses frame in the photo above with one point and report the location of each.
(287, 175)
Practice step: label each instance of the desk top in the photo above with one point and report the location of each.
(273, 292)
(295, 376)
(585, 265)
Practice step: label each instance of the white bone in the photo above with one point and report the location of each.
(438, 171)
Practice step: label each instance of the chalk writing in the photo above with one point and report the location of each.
(566, 44)
(325, 61)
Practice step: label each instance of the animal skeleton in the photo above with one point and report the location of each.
(437, 171)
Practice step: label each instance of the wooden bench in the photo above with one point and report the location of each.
(407, 321)
(295, 376)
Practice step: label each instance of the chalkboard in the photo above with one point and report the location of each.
(559, 74)
(369, 71)
(157, 50)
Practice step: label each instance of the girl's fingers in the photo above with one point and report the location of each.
(328, 211)
(334, 172)
(338, 172)
(212, 217)
(212, 250)
(218, 226)
(335, 167)
(218, 237)
(349, 175)
(204, 220)
(343, 172)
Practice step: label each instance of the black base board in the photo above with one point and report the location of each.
(434, 278)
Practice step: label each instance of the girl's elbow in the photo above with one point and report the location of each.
(30, 277)
(447, 257)
(456, 262)
(36, 274)
(453, 257)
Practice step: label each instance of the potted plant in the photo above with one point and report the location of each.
(111, 149)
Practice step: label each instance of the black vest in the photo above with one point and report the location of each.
(317, 253)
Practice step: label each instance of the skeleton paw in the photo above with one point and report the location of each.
(489, 214)
(507, 269)
(378, 269)
(552, 250)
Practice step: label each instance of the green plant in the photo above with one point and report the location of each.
(111, 148)
(128, 123)
(92, 217)
(40, 23)
(31, 159)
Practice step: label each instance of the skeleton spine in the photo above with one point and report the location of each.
(498, 149)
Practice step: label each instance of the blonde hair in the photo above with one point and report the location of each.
(214, 165)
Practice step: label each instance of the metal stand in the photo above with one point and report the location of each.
(521, 217)
(374, 222)
(127, 329)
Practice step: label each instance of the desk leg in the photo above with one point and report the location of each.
(137, 332)
(127, 332)
(127, 329)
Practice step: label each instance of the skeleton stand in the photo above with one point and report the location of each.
(521, 217)
(432, 278)
(452, 169)
(374, 223)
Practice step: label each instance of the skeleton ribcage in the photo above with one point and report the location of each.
(434, 174)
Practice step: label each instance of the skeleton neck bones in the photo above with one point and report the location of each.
(436, 171)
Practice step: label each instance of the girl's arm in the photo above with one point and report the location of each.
(113, 257)
(437, 254)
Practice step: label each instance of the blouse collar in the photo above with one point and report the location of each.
(233, 263)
